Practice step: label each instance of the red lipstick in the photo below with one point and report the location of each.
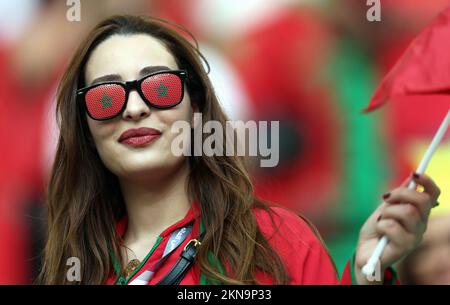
(139, 136)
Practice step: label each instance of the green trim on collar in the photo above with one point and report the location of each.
(394, 276)
(121, 280)
(352, 270)
(202, 226)
(115, 262)
(204, 280)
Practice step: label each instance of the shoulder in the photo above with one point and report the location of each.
(298, 244)
(279, 225)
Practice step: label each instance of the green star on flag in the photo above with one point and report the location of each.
(106, 101)
(162, 90)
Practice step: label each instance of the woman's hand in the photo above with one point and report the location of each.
(403, 217)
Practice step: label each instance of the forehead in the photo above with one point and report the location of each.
(126, 55)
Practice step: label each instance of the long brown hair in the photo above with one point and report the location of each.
(85, 200)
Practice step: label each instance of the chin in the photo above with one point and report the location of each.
(149, 168)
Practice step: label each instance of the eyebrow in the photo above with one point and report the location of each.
(116, 77)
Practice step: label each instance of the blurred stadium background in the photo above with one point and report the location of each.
(310, 64)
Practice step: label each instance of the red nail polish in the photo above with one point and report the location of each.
(416, 176)
(386, 196)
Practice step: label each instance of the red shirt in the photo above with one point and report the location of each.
(305, 258)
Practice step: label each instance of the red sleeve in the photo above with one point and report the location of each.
(305, 257)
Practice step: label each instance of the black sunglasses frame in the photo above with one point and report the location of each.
(130, 85)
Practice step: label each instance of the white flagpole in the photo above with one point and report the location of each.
(371, 264)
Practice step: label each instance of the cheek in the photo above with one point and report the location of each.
(100, 131)
(168, 118)
(102, 135)
(183, 112)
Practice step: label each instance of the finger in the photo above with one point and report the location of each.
(397, 234)
(421, 201)
(407, 215)
(429, 186)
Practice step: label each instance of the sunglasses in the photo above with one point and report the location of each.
(107, 100)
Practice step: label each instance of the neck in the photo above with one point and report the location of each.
(154, 206)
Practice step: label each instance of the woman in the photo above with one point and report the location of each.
(126, 207)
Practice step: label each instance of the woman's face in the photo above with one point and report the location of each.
(126, 58)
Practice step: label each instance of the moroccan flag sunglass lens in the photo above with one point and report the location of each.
(163, 90)
(105, 101)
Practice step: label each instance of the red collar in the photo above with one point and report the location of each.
(191, 215)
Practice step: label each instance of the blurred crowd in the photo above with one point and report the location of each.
(312, 65)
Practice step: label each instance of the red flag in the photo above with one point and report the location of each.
(424, 67)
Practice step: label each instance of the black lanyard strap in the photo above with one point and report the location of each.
(186, 260)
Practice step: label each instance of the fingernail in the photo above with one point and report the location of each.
(416, 176)
(379, 217)
(386, 196)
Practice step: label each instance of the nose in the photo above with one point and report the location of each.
(136, 108)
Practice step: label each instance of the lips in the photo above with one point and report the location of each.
(139, 136)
